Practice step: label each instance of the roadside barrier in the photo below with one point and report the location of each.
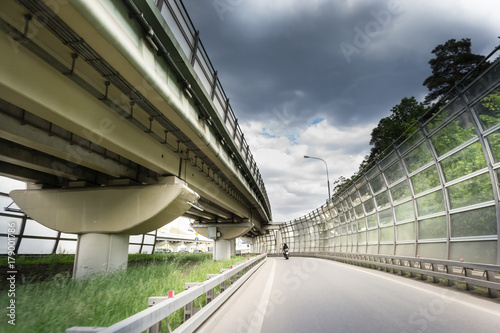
(228, 281)
(472, 274)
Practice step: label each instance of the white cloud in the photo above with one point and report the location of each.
(296, 185)
(324, 134)
(282, 66)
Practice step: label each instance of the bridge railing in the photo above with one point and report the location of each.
(471, 274)
(160, 308)
(179, 22)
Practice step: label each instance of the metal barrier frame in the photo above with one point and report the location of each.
(150, 318)
(388, 207)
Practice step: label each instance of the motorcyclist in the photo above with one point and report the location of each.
(285, 247)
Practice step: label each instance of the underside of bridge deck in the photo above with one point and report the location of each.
(89, 107)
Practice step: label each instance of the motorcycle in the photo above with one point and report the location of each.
(285, 253)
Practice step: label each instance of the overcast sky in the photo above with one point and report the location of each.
(315, 77)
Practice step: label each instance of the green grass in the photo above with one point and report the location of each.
(47, 259)
(61, 302)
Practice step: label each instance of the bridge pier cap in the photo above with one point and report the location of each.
(224, 236)
(227, 231)
(104, 217)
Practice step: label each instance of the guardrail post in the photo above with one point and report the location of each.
(447, 271)
(240, 273)
(434, 268)
(490, 276)
(223, 285)
(195, 47)
(156, 328)
(468, 273)
(393, 262)
(423, 276)
(402, 264)
(233, 277)
(412, 264)
(189, 309)
(210, 294)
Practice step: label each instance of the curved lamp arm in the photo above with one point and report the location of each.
(327, 177)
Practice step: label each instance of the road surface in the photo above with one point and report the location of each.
(317, 295)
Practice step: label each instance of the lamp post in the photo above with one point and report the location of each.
(327, 178)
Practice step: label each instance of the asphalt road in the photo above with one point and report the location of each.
(316, 295)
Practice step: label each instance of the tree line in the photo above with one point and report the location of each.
(453, 66)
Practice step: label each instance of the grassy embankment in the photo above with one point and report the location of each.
(59, 302)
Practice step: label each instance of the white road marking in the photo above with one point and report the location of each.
(258, 318)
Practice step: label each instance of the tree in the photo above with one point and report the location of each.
(403, 116)
(453, 60)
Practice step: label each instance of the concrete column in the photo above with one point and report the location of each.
(178, 246)
(100, 253)
(222, 249)
(279, 242)
(233, 246)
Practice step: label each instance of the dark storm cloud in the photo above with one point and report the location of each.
(348, 62)
(295, 70)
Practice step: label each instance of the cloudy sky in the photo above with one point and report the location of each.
(315, 77)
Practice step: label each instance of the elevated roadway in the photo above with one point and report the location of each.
(105, 112)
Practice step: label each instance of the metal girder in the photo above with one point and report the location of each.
(27, 175)
(68, 150)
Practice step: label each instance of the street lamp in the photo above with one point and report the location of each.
(327, 178)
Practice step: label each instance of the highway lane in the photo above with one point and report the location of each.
(317, 295)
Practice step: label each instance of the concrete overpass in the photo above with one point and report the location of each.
(114, 114)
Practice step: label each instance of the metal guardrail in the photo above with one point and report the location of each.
(472, 274)
(229, 280)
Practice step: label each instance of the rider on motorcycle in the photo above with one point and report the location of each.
(285, 248)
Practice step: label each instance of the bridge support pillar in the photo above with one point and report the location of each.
(224, 236)
(104, 217)
(279, 241)
(222, 249)
(96, 253)
(178, 246)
